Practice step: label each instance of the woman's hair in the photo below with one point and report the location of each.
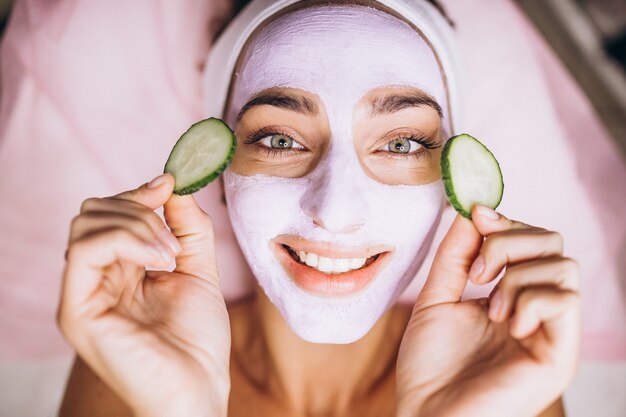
(240, 4)
(442, 10)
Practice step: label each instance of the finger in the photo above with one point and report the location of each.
(448, 275)
(141, 202)
(488, 221)
(513, 246)
(556, 311)
(92, 222)
(194, 230)
(561, 273)
(88, 257)
(137, 217)
(152, 195)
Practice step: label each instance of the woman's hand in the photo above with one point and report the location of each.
(510, 355)
(160, 340)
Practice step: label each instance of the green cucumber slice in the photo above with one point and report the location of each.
(200, 155)
(471, 174)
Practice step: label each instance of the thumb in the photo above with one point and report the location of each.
(152, 194)
(194, 230)
(448, 275)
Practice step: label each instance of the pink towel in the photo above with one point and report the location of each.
(94, 94)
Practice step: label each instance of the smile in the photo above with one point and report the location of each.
(324, 270)
(330, 265)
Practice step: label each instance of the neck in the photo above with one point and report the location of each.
(317, 378)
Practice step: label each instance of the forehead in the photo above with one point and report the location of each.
(337, 51)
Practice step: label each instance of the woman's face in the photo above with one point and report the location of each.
(334, 191)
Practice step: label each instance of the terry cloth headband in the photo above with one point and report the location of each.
(421, 14)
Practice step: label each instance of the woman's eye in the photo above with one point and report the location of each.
(402, 146)
(280, 142)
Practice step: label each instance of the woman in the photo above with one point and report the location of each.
(334, 193)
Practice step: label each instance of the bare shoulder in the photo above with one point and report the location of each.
(87, 395)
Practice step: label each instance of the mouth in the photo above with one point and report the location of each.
(332, 266)
(328, 272)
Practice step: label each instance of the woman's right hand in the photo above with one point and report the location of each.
(160, 340)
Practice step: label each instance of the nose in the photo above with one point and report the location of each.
(335, 201)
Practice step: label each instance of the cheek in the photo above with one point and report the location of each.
(405, 215)
(261, 207)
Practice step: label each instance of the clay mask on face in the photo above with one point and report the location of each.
(338, 53)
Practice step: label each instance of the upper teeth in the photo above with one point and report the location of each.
(330, 265)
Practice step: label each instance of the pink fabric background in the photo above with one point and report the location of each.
(94, 94)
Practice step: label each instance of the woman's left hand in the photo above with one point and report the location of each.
(512, 354)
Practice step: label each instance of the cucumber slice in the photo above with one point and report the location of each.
(200, 155)
(471, 174)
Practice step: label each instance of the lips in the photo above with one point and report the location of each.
(329, 265)
(323, 270)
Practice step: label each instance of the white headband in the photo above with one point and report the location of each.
(225, 52)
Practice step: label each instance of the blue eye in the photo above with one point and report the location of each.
(402, 146)
(279, 141)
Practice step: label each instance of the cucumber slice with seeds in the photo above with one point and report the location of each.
(471, 174)
(200, 155)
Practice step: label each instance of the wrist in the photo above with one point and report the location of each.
(407, 410)
(176, 409)
(213, 404)
(407, 405)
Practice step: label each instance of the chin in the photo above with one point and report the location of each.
(336, 335)
(326, 320)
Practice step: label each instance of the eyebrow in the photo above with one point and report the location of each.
(396, 102)
(281, 100)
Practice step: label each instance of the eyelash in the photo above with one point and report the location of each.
(254, 138)
(422, 140)
(272, 152)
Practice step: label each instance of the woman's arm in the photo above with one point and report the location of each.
(555, 410)
(87, 395)
(513, 353)
(151, 336)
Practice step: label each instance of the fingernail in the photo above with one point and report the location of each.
(165, 255)
(477, 268)
(170, 240)
(487, 212)
(157, 182)
(495, 306)
(159, 251)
